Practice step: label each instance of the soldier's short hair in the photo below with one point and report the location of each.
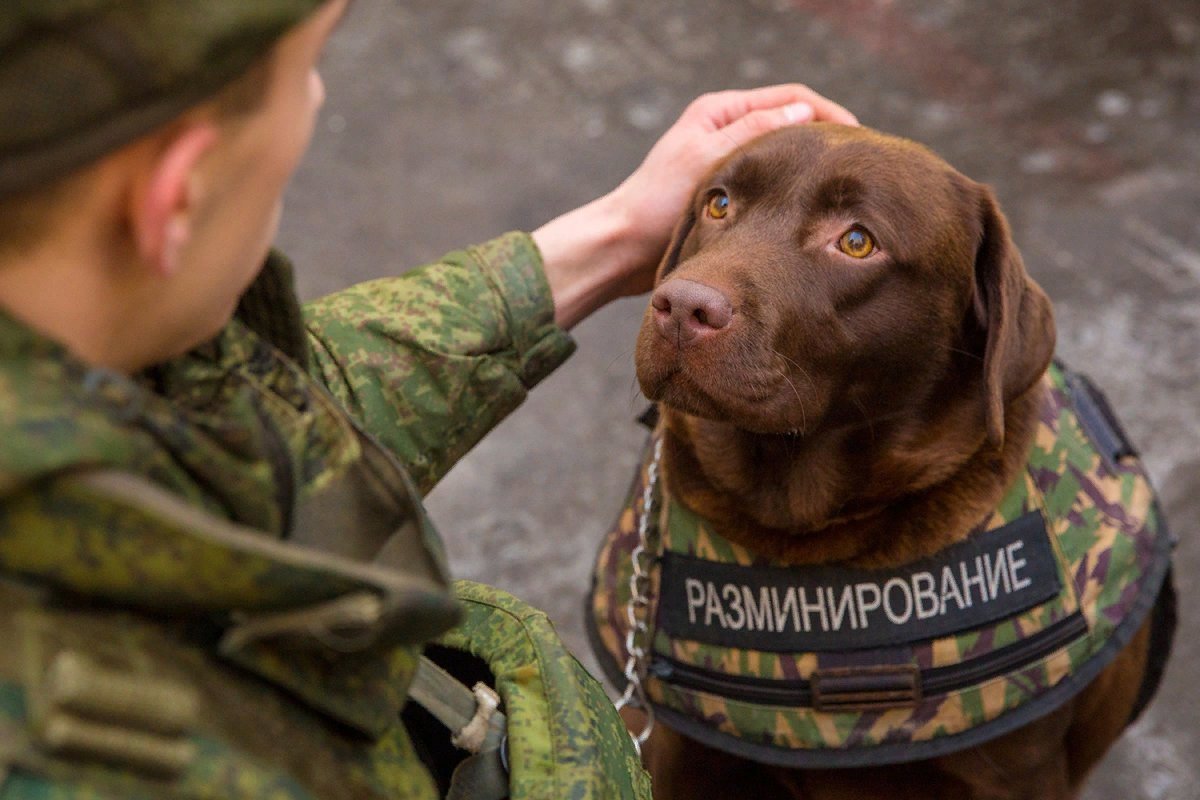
(27, 217)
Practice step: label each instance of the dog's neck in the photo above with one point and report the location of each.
(874, 496)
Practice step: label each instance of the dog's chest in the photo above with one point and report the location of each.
(837, 667)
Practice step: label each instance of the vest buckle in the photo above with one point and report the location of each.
(867, 688)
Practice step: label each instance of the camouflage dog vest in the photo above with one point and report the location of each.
(828, 666)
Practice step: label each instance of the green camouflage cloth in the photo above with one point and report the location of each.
(245, 739)
(1111, 551)
(215, 527)
(431, 362)
(81, 77)
(565, 738)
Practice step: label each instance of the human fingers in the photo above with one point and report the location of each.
(756, 124)
(719, 109)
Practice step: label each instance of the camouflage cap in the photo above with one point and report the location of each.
(81, 77)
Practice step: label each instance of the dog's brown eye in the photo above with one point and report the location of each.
(718, 206)
(856, 243)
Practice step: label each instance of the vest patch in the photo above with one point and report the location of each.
(988, 577)
(826, 667)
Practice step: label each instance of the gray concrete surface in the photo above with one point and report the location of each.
(451, 121)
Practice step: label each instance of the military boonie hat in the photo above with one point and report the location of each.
(79, 78)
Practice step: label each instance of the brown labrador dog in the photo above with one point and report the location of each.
(847, 349)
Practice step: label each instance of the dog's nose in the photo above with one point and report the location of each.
(686, 311)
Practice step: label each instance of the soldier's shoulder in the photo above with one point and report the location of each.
(56, 413)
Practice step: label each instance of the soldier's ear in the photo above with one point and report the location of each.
(1015, 314)
(162, 207)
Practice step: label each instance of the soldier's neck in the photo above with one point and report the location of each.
(85, 304)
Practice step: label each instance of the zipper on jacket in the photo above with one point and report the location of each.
(940, 680)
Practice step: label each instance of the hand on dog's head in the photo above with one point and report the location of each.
(833, 287)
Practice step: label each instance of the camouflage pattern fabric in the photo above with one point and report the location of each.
(247, 741)
(426, 363)
(431, 362)
(81, 77)
(1112, 551)
(564, 736)
(217, 523)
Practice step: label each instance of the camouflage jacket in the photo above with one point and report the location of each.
(215, 582)
(825, 666)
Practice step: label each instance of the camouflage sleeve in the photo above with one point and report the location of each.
(432, 360)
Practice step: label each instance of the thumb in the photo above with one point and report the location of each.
(759, 123)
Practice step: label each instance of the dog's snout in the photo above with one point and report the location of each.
(686, 311)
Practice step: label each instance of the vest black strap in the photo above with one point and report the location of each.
(483, 775)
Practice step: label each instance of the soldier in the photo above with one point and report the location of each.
(216, 577)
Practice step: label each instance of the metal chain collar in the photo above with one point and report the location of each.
(637, 639)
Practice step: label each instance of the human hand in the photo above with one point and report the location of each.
(611, 247)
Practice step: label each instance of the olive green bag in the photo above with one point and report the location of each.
(564, 737)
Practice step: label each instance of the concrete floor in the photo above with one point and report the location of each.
(453, 121)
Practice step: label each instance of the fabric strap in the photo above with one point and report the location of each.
(482, 775)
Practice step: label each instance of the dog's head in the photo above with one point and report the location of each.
(830, 278)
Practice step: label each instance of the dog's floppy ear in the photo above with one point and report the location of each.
(1015, 314)
(675, 249)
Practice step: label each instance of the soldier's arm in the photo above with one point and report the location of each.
(432, 360)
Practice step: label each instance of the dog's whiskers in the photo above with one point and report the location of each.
(736, 146)
(624, 355)
(799, 400)
(802, 370)
(866, 418)
(959, 350)
(634, 391)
